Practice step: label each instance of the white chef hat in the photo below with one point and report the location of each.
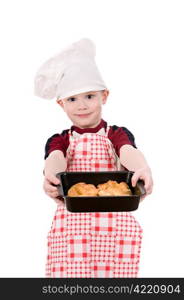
(71, 72)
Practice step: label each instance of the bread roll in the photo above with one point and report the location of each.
(82, 189)
(113, 188)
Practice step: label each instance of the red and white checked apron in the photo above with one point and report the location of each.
(103, 244)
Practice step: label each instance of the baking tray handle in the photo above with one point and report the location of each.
(140, 185)
(59, 187)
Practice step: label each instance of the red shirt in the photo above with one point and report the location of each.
(118, 136)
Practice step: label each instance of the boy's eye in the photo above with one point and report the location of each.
(90, 96)
(72, 99)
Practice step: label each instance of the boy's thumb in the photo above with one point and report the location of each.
(53, 179)
(135, 177)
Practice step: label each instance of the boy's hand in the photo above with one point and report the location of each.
(51, 190)
(145, 175)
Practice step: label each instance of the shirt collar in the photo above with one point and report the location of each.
(102, 124)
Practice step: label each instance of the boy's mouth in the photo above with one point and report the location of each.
(83, 115)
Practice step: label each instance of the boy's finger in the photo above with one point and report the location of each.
(147, 183)
(142, 198)
(149, 191)
(53, 179)
(149, 186)
(53, 194)
(135, 177)
(50, 188)
(59, 202)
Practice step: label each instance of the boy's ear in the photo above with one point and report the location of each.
(104, 97)
(60, 102)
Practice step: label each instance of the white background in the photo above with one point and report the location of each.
(140, 46)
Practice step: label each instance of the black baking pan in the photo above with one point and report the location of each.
(99, 203)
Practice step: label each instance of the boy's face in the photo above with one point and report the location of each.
(84, 110)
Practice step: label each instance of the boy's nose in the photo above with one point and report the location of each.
(82, 104)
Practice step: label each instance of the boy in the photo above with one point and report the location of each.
(88, 244)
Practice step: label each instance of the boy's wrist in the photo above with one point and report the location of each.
(55, 153)
(55, 163)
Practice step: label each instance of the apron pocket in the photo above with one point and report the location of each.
(127, 249)
(78, 248)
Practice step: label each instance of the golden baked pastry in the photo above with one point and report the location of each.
(82, 189)
(113, 188)
(125, 188)
(109, 188)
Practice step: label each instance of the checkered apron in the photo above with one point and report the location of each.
(93, 245)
